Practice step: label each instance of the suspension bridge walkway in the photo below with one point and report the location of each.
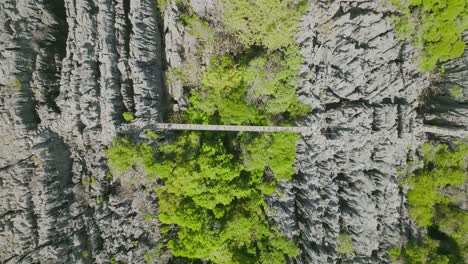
(197, 127)
(445, 131)
(270, 129)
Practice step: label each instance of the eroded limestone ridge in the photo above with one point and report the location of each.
(69, 69)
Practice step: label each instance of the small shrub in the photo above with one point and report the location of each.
(345, 245)
(152, 255)
(84, 254)
(200, 29)
(148, 217)
(456, 92)
(435, 27)
(454, 223)
(161, 5)
(152, 135)
(85, 181)
(15, 84)
(188, 75)
(100, 199)
(122, 155)
(128, 116)
(178, 117)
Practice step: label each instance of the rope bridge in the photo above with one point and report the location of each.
(446, 131)
(271, 129)
(170, 126)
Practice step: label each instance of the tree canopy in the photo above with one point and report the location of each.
(434, 198)
(213, 183)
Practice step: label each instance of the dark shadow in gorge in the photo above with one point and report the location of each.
(55, 49)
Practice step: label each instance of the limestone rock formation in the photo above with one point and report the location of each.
(70, 68)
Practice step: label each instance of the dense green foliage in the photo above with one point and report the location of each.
(214, 183)
(128, 116)
(14, 84)
(434, 26)
(456, 92)
(437, 189)
(443, 168)
(424, 251)
(244, 92)
(271, 24)
(216, 197)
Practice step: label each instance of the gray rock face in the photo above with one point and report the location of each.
(361, 82)
(70, 69)
(447, 105)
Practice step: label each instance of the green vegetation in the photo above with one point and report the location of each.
(153, 255)
(152, 135)
(211, 204)
(128, 116)
(437, 190)
(424, 251)
(85, 181)
(345, 245)
(456, 92)
(84, 254)
(161, 5)
(200, 29)
(100, 200)
(14, 84)
(215, 197)
(271, 24)
(443, 168)
(188, 75)
(433, 26)
(125, 154)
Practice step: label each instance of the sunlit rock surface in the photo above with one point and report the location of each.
(70, 69)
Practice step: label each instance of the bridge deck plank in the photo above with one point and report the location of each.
(272, 129)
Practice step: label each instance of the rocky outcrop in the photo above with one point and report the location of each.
(446, 103)
(360, 79)
(72, 68)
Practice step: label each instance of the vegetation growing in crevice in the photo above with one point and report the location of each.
(14, 85)
(456, 92)
(271, 24)
(345, 245)
(434, 27)
(211, 200)
(128, 116)
(443, 168)
(162, 4)
(437, 190)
